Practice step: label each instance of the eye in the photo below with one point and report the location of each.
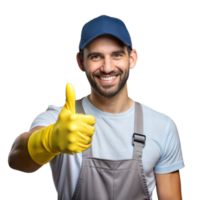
(98, 57)
(94, 57)
(118, 55)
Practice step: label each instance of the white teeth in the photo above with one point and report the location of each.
(108, 79)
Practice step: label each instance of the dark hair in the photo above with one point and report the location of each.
(128, 49)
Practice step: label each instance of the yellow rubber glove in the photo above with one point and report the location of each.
(72, 133)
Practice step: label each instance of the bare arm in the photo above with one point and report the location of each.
(19, 157)
(168, 186)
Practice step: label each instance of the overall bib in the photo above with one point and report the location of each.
(104, 179)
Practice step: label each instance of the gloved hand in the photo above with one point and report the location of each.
(72, 133)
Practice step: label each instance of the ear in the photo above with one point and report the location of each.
(133, 58)
(80, 61)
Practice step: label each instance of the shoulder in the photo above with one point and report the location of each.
(159, 128)
(54, 109)
(47, 117)
(51, 112)
(155, 118)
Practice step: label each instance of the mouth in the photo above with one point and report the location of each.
(107, 78)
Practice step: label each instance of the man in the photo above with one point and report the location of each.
(115, 148)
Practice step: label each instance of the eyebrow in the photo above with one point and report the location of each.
(99, 54)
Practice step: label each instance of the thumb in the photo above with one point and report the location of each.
(70, 98)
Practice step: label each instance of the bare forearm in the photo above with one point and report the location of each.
(19, 157)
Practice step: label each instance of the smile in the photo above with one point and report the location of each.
(107, 79)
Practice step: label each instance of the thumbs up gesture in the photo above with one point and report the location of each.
(72, 132)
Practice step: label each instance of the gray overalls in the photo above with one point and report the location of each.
(103, 179)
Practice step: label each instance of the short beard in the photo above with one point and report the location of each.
(122, 83)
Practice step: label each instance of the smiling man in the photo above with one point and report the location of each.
(106, 55)
(106, 145)
(106, 62)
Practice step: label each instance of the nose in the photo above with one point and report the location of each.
(107, 65)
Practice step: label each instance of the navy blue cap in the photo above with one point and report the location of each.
(104, 25)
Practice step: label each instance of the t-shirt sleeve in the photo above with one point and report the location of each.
(46, 118)
(171, 156)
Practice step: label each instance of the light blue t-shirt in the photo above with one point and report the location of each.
(113, 140)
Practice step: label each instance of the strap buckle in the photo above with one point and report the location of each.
(139, 138)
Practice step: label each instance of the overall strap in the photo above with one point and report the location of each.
(79, 109)
(138, 137)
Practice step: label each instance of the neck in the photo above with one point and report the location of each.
(119, 103)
